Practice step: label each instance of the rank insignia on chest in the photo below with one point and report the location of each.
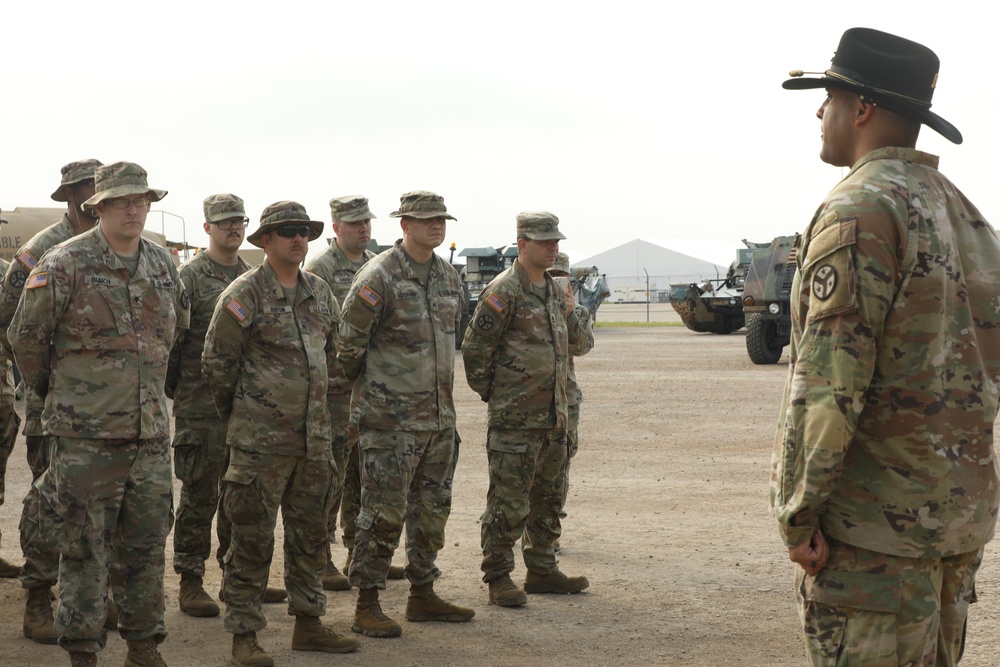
(38, 280)
(496, 303)
(369, 296)
(237, 309)
(27, 259)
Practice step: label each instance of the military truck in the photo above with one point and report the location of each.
(715, 305)
(766, 296)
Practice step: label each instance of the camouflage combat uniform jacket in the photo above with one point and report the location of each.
(338, 272)
(257, 345)
(401, 339)
(186, 384)
(84, 328)
(14, 278)
(517, 351)
(885, 437)
(6, 370)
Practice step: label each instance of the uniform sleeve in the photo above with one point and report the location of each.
(846, 281)
(483, 338)
(10, 294)
(338, 383)
(42, 305)
(182, 303)
(360, 315)
(225, 341)
(581, 331)
(176, 352)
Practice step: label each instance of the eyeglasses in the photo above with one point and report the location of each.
(291, 231)
(231, 223)
(122, 203)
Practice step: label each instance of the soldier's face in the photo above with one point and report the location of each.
(227, 239)
(76, 194)
(353, 237)
(837, 115)
(290, 251)
(425, 232)
(537, 254)
(124, 224)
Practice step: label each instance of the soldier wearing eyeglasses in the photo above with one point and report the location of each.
(269, 353)
(199, 435)
(92, 333)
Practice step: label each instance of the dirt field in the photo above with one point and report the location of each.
(667, 517)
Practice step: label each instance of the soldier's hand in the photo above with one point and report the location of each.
(811, 555)
(570, 297)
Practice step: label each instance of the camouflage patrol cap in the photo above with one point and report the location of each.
(352, 208)
(75, 172)
(561, 265)
(421, 204)
(119, 180)
(223, 206)
(538, 226)
(280, 214)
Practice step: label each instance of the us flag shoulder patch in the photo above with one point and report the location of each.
(369, 296)
(38, 280)
(496, 303)
(27, 259)
(237, 310)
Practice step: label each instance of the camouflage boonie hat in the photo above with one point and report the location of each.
(119, 180)
(561, 265)
(352, 208)
(75, 172)
(538, 226)
(421, 204)
(280, 214)
(221, 207)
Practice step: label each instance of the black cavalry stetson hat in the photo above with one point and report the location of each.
(891, 71)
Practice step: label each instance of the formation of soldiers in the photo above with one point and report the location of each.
(316, 392)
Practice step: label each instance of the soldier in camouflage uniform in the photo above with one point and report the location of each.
(200, 450)
(884, 476)
(269, 353)
(348, 252)
(9, 423)
(92, 334)
(574, 395)
(41, 566)
(517, 351)
(398, 337)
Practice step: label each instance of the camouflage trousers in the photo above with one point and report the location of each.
(9, 423)
(200, 459)
(572, 444)
(348, 483)
(255, 488)
(877, 610)
(99, 495)
(406, 479)
(527, 475)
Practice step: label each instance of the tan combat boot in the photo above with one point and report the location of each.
(334, 579)
(81, 659)
(554, 582)
(248, 653)
(311, 635)
(424, 605)
(37, 623)
(9, 570)
(504, 593)
(143, 653)
(193, 599)
(369, 619)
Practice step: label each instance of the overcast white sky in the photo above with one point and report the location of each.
(654, 120)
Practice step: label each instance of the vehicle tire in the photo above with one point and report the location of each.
(763, 345)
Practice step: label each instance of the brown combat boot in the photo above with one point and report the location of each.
(143, 653)
(37, 625)
(9, 570)
(424, 605)
(554, 582)
(274, 595)
(334, 579)
(81, 659)
(504, 593)
(193, 599)
(248, 653)
(369, 619)
(311, 635)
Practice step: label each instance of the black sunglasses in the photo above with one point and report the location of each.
(291, 231)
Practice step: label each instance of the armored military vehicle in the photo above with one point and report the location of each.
(766, 295)
(715, 305)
